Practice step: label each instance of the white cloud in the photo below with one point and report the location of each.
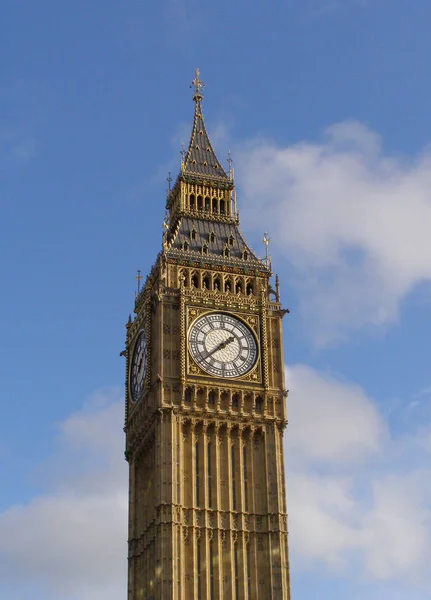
(331, 420)
(359, 501)
(353, 222)
(71, 542)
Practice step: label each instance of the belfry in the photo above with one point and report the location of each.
(206, 402)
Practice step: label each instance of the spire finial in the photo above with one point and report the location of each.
(139, 279)
(266, 241)
(230, 163)
(198, 86)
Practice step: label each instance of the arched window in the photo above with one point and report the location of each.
(195, 280)
(245, 255)
(212, 397)
(250, 289)
(238, 287)
(188, 395)
(235, 400)
(222, 205)
(227, 286)
(193, 234)
(212, 237)
(259, 404)
(206, 281)
(215, 205)
(231, 240)
(192, 202)
(200, 203)
(216, 282)
(207, 204)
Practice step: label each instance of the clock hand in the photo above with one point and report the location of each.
(220, 346)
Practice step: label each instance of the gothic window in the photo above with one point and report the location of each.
(244, 462)
(231, 240)
(199, 567)
(200, 202)
(224, 400)
(249, 572)
(245, 255)
(238, 287)
(195, 280)
(206, 278)
(236, 568)
(186, 246)
(259, 404)
(192, 201)
(193, 234)
(215, 205)
(226, 252)
(188, 395)
(212, 398)
(235, 400)
(233, 468)
(209, 471)
(197, 475)
(212, 593)
(205, 250)
(250, 290)
(212, 237)
(248, 399)
(222, 205)
(207, 204)
(216, 282)
(227, 286)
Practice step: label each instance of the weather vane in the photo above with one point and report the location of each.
(198, 86)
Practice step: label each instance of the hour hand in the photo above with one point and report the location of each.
(219, 346)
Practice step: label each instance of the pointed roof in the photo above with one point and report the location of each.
(200, 158)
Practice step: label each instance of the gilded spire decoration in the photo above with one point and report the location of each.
(198, 86)
(200, 158)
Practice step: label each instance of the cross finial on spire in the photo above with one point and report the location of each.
(198, 85)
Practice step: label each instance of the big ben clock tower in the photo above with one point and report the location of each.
(206, 403)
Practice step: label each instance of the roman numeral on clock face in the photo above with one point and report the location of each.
(222, 345)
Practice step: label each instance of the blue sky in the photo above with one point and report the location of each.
(325, 106)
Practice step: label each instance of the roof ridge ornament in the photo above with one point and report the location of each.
(199, 86)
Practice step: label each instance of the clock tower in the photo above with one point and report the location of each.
(206, 402)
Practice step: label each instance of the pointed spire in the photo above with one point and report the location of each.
(200, 158)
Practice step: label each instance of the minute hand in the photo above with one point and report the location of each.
(220, 346)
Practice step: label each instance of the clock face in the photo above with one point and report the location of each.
(222, 345)
(139, 367)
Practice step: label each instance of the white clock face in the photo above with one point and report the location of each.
(139, 367)
(222, 345)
